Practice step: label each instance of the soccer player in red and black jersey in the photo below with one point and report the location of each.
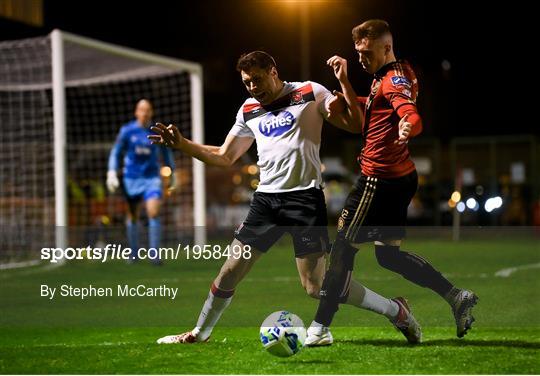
(376, 208)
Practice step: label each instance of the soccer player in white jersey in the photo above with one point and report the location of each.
(285, 120)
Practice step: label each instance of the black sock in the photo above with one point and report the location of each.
(326, 311)
(335, 286)
(451, 296)
(413, 268)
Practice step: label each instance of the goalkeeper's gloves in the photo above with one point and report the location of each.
(112, 181)
(172, 181)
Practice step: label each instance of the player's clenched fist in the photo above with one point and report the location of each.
(339, 65)
(168, 136)
(404, 130)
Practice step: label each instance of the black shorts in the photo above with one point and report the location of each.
(376, 209)
(300, 213)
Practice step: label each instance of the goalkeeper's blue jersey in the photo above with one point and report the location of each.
(141, 158)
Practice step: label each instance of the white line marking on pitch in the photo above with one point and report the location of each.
(75, 344)
(16, 265)
(27, 269)
(507, 272)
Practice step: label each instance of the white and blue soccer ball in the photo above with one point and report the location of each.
(283, 334)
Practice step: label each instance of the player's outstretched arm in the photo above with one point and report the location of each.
(351, 119)
(224, 155)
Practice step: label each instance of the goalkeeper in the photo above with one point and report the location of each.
(141, 178)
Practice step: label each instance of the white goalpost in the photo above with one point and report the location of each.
(59, 124)
(63, 99)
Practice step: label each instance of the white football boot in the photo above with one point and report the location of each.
(187, 337)
(319, 336)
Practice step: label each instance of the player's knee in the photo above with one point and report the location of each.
(152, 207)
(387, 255)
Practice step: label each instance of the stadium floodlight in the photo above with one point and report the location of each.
(63, 99)
(471, 203)
(456, 196)
(460, 206)
(493, 203)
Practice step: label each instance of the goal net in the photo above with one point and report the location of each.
(63, 99)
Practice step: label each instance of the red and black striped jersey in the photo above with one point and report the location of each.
(394, 88)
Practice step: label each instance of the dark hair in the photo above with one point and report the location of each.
(371, 29)
(259, 59)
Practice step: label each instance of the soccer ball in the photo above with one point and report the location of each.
(283, 334)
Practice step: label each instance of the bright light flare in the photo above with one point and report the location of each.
(166, 171)
(456, 196)
(493, 203)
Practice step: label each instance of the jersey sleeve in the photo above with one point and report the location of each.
(240, 128)
(322, 97)
(117, 150)
(400, 89)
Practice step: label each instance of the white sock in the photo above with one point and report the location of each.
(362, 297)
(315, 328)
(213, 308)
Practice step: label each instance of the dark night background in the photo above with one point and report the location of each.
(469, 99)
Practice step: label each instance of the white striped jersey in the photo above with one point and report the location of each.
(288, 136)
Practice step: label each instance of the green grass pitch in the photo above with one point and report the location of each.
(117, 335)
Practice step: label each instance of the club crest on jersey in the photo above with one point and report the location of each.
(297, 98)
(400, 81)
(276, 123)
(341, 220)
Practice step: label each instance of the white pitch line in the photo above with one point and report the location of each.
(16, 265)
(295, 279)
(75, 344)
(507, 272)
(26, 269)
